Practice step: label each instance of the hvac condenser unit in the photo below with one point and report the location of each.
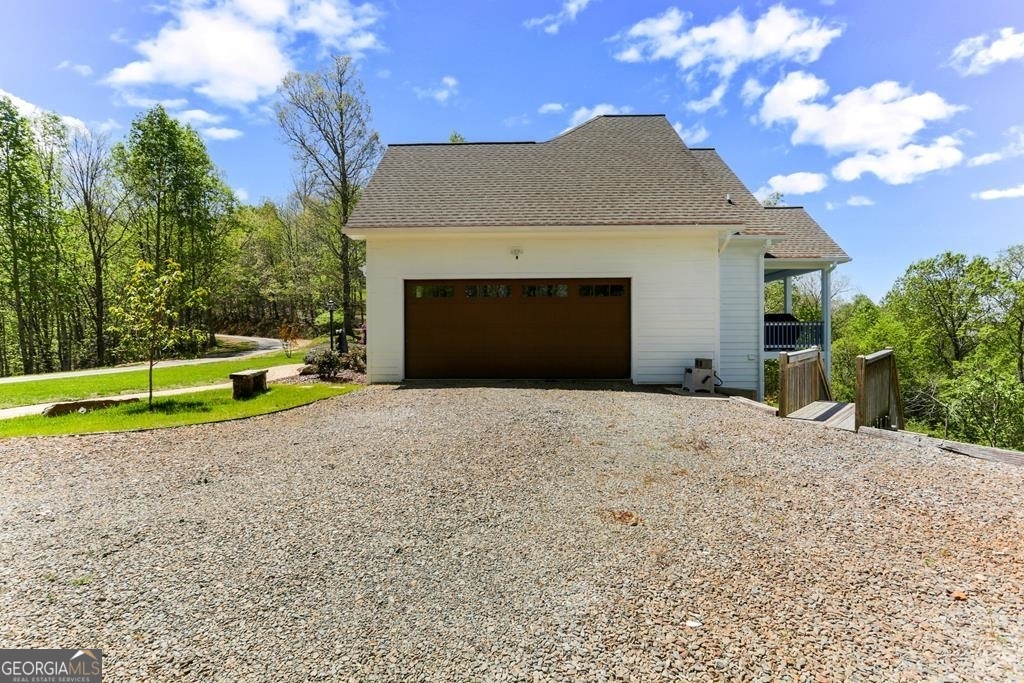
(700, 378)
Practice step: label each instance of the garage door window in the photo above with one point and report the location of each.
(559, 291)
(488, 291)
(602, 290)
(433, 291)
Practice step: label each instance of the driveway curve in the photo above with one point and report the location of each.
(513, 532)
(264, 345)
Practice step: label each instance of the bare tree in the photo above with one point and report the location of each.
(94, 200)
(325, 118)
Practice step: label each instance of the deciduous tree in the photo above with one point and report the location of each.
(325, 118)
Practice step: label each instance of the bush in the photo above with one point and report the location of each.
(355, 359)
(326, 362)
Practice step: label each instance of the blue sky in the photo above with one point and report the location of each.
(897, 123)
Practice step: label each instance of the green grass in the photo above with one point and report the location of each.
(198, 407)
(132, 381)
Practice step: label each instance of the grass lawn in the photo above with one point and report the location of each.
(133, 381)
(174, 411)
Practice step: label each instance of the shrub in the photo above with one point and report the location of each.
(355, 359)
(326, 362)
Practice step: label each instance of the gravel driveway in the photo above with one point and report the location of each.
(513, 533)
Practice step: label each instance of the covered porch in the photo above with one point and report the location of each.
(783, 331)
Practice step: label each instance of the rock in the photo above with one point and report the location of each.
(84, 406)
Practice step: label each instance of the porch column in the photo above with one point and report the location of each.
(787, 293)
(826, 319)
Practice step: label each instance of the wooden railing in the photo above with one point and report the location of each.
(879, 403)
(802, 380)
(790, 336)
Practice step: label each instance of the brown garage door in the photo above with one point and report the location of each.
(517, 329)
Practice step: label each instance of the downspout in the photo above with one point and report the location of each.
(723, 245)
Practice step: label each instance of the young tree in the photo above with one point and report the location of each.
(325, 118)
(146, 319)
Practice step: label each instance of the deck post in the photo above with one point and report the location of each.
(787, 294)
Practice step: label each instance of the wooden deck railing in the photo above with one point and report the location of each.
(879, 403)
(790, 336)
(802, 380)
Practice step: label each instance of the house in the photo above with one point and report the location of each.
(610, 251)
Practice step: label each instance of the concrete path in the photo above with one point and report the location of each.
(264, 345)
(273, 374)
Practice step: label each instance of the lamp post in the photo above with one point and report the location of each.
(330, 308)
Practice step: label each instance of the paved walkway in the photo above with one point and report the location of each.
(275, 373)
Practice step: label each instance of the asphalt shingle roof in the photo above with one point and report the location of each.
(800, 235)
(610, 171)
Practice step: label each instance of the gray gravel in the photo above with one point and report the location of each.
(513, 533)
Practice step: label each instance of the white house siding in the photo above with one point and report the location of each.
(674, 287)
(741, 316)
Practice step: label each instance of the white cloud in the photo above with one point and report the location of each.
(107, 126)
(384, 73)
(1008, 193)
(237, 51)
(752, 90)
(80, 69)
(516, 120)
(199, 117)
(241, 194)
(860, 200)
(721, 47)
(219, 133)
(878, 124)
(33, 112)
(794, 183)
(126, 97)
(694, 135)
(829, 206)
(977, 55)
(1014, 148)
(551, 23)
(551, 108)
(709, 102)
(584, 114)
(882, 117)
(441, 94)
(902, 165)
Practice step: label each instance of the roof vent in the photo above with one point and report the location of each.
(728, 198)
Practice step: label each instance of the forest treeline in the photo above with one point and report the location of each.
(79, 212)
(956, 324)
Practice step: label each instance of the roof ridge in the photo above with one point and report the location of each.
(457, 144)
(785, 207)
(603, 116)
